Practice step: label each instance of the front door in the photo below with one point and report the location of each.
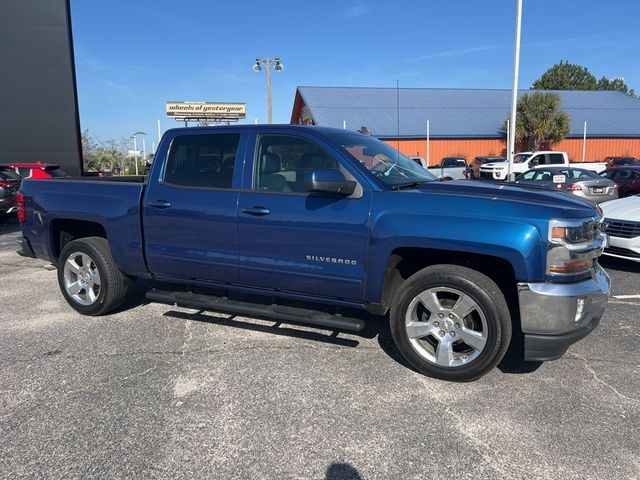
(295, 241)
(190, 209)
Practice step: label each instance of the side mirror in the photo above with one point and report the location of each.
(329, 181)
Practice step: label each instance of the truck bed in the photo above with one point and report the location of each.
(110, 203)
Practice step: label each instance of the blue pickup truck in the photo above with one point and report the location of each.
(333, 220)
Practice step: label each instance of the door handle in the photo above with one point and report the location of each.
(159, 204)
(258, 211)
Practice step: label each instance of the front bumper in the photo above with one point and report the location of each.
(493, 174)
(627, 248)
(555, 315)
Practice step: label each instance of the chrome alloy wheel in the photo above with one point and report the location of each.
(446, 326)
(82, 278)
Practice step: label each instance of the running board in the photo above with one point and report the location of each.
(279, 312)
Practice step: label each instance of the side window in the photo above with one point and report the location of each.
(283, 162)
(202, 160)
(540, 159)
(24, 172)
(608, 174)
(555, 159)
(543, 176)
(623, 174)
(635, 175)
(528, 175)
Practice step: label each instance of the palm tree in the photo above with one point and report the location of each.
(540, 121)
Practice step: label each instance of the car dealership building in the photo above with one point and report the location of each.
(468, 122)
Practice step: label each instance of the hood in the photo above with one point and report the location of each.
(623, 209)
(489, 199)
(495, 164)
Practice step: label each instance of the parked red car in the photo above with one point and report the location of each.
(627, 179)
(9, 184)
(622, 162)
(34, 170)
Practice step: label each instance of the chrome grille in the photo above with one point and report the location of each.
(616, 228)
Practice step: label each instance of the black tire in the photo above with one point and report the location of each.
(483, 291)
(113, 287)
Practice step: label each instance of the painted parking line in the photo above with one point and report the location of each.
(625, 299)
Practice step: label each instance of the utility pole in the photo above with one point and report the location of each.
(278, 67)
(428, 154)
(514, 90)
(584, 142)
(135, 147)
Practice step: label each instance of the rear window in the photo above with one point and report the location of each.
(202, 160)
(555, 159)
(453, 162)
(578, 174)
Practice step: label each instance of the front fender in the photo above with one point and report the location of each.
(517, 242)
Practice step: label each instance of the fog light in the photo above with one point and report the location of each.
(579, 310)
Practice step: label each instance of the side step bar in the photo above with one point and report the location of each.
(278, 312)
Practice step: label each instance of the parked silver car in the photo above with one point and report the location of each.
(577, 181)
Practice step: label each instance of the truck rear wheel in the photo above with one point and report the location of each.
(88, 277)
(450, 322)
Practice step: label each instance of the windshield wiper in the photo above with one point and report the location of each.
(414, 183)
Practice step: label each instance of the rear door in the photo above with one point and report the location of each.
(190, 208)
(295, 241)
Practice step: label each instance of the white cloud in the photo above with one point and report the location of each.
(357, 10)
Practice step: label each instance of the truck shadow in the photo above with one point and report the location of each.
(375, 327)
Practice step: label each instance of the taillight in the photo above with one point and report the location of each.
(569, 186)
(5, 185)
(22, 215)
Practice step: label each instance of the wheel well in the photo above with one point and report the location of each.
(404, 262)
(64, 231)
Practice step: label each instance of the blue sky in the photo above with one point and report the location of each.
(132, 56)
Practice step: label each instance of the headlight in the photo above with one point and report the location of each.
(573, 246)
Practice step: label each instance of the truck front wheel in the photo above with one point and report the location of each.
(450, 322)
(88, 277)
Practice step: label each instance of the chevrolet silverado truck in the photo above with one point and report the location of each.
(527, 160)
(330, 220)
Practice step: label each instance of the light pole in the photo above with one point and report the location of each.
(135, 147)
(278, 67)
(514, 91)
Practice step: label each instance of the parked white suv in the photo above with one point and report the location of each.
(622, 225)
(527, 160)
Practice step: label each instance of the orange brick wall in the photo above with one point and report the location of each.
(597, 148)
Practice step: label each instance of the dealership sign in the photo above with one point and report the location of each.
(206, 111)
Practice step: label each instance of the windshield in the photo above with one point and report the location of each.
(626, 161)
(383, 161)
(520, 157)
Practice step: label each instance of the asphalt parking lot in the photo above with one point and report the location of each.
(164, 392)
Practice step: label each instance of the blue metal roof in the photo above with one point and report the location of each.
(459, 113)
